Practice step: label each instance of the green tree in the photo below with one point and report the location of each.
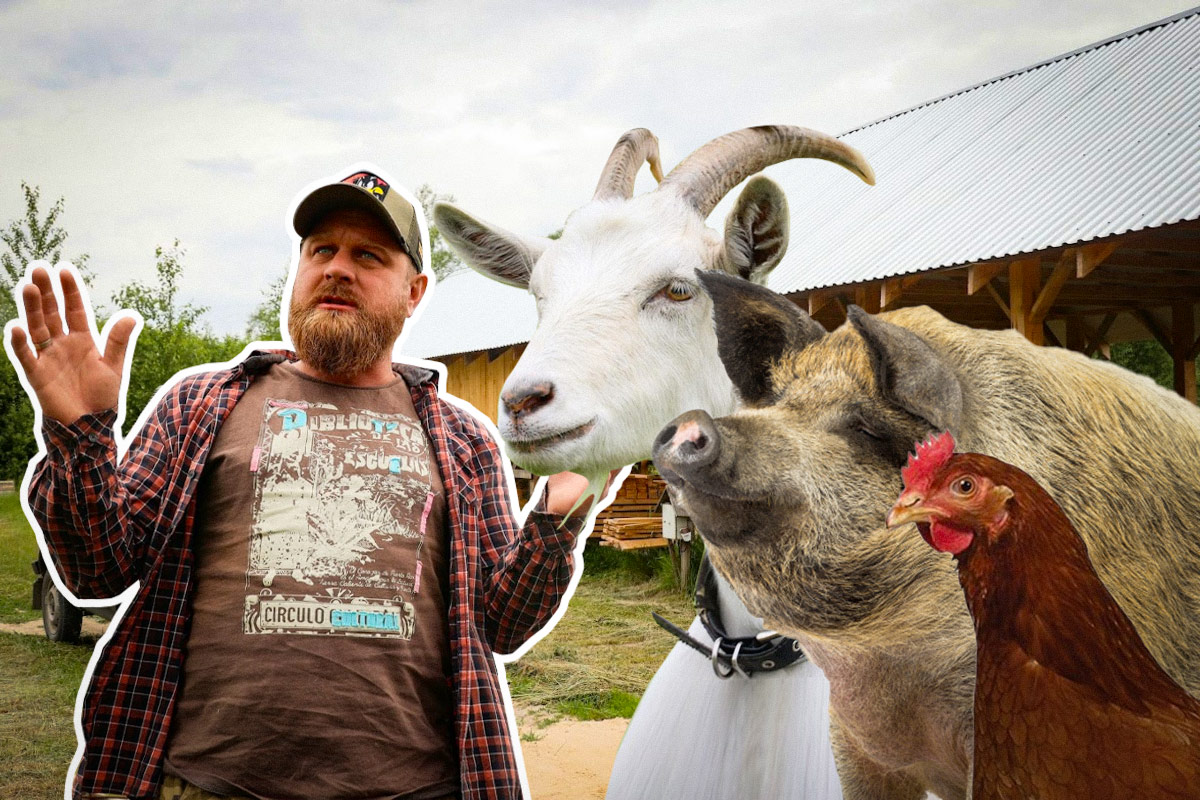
(263, 324)
(173, 337)
(35, 235)
(32, 237)
(441, 257)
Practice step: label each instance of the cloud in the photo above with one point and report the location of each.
(200, 122)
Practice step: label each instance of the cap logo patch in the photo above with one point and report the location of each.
(374, 184)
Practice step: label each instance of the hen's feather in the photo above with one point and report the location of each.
(1069, 703)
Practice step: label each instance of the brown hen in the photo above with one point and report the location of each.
(1069, 704)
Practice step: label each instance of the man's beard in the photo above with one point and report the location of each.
(343, 343)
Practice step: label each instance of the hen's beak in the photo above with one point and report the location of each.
(909, 508)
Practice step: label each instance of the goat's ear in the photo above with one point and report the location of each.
(499, 254)
(755, 327)
(909, 373)
(756, 231)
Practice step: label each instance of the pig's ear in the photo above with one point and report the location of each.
(908, 371)
(755, 326)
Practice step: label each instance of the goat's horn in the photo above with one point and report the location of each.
(708, 174)
(631, 150)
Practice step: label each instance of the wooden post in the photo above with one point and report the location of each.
(1076, 336)
(1183, 337)
(1024, 281)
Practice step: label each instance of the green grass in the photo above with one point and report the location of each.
(18, 549)
(596, 662)
(38, 683)
(38, 679)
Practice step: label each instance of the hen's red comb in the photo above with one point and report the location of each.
(931, 455)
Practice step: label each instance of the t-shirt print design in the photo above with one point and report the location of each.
(341, 497)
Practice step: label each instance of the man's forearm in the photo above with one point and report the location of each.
(78, 501)
(526, 586)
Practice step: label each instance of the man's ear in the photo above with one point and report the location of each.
(416, 290)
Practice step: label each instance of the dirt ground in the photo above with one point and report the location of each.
(567, 759)
(570, 759)
(92, 626)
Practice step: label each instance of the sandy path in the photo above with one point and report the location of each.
(571, 759)
(92, 626)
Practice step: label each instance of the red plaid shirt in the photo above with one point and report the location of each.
(108, 525)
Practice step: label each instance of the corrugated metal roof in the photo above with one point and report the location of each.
(1100, 141)
(468, 312)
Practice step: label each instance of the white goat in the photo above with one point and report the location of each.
(625, 343)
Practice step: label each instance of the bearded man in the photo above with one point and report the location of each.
(326, 549)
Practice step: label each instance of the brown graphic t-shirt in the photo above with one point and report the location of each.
(317, 663)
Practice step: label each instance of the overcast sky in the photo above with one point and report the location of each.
(201, 121)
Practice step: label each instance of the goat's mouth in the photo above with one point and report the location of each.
(521, 445)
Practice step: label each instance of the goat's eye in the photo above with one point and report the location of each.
(677, 291)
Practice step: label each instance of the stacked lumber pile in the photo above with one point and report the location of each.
(633, 520)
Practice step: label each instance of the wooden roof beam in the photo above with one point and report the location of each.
(1090, 256)
(893, 289)
(999, 301)
(1095, 336)
(869, 297)
(818, 299)
(1049, 292)
(1151, 324)
(980, 275)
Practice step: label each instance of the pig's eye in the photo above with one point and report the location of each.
(863, 429)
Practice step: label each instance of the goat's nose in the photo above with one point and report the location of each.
(688, 442)
(524, 400)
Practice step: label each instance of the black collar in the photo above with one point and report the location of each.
(744, 655)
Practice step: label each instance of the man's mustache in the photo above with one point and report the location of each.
(331, 290)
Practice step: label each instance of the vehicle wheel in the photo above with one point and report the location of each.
(61, 620)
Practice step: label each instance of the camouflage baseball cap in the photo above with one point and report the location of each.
(371, 193)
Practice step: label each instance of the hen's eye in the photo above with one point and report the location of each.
(964, 486)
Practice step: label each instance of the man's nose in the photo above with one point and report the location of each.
(340, 267)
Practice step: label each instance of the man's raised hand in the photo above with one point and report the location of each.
(62, 365)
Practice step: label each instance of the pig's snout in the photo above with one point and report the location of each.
(688, 443)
